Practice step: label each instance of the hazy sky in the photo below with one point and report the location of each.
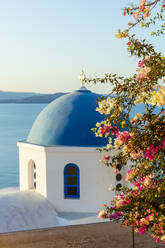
(45, 43)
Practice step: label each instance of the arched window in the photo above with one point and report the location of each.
(71, 181)
(118, 178)
(32, 174)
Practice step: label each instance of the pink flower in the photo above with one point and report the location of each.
(136, 15)
(142, 8)
(163, 144)
(115, 171)
(152, 150)
(106, 158)
(142, 230)
(116, 216)
(140, 63)
(157, 240)
(104, 130)
(150, 153)
(136, 155)
(142, 5)
(108, 129)
(102, 214)
(114, 130)
(139, 76)
(124, 136)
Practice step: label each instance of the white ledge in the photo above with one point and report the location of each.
(56, 148)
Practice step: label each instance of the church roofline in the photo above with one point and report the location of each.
(27, 145)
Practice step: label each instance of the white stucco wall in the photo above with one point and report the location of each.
(28, 153)
(95, 179)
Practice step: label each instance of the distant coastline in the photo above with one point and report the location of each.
(25, 97)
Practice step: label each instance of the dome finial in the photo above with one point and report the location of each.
(82, 77)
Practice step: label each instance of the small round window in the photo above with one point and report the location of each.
(118, 166)
(118, 177)
(118, 187)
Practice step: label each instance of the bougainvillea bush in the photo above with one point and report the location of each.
(141, 139)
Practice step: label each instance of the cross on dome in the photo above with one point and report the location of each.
(82, 77)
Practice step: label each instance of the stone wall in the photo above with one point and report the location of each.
(101, 235)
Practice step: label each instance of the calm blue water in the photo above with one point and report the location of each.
(15, 123)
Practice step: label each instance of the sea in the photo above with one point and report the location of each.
(16, 121)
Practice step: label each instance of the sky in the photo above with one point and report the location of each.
(44, 44)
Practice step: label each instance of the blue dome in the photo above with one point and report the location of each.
(67, 121)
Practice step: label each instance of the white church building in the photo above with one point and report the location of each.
(60, 160)
(61, 180)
